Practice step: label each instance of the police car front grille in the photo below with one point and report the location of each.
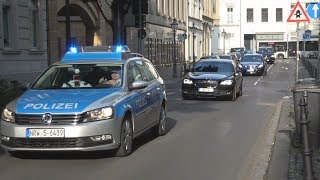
(23, 119)
(53, 142)
(45, 143)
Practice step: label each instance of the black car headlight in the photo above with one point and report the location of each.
(8, 116)
(260, 66)
(226, 82)
(187, 81)
(99, 114)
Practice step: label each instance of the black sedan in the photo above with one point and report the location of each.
(213, 78)
(253, 64)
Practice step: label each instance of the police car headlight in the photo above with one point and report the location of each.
(8, 115)
(99, 114)
(226, 82)
(272, 55)
(187, 81)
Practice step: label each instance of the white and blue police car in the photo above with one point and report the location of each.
(95, 98)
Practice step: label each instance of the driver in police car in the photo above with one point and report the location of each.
(76, 81)
(114, 81)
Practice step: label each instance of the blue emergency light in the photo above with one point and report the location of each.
(91, 53)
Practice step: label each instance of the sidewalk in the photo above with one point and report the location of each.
(286, 161)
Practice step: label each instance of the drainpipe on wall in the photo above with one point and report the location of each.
(47, 30)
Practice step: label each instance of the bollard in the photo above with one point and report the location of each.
(304, 129)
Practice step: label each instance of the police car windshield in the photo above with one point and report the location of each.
(81, 76)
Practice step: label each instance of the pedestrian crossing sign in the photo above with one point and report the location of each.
(298, 14)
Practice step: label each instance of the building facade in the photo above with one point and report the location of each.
(260, 23)
(88, 27)
(157, 46)
(195, 27)
(23, 39)
(207, 18)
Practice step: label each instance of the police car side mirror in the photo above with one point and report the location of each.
(139, 84)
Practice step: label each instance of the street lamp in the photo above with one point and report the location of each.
(225, 35)
(174, 26)
(193, 29)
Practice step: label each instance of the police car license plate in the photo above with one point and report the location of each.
(208, 89)
(44, 133)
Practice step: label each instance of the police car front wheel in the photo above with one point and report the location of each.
(126, 138)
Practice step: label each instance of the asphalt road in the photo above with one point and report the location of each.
(208, 139)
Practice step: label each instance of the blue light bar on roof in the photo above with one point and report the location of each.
(73, 49)
(92, 56)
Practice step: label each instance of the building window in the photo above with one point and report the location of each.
(264, 15)
(214, 10)
(249, 15)
(278, 14)
(230, 15)
(35, 22)
(6, 35)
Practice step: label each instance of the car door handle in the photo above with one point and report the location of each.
(158, 89)
(148, 95)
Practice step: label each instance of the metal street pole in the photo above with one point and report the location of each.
(224, 41)
(68, 33)
(193, 55)
(174, 55)
(140, 27)
(297, 64)
(318, 78)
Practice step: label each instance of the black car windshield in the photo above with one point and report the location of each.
(256, 58)
(214, 67)
(80, 76)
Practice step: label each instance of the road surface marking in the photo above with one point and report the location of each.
(262, 76)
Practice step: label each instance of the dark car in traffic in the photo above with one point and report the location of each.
(253, 64)
(210, 57)
(239, 50)
(267, 53)
(213, 78)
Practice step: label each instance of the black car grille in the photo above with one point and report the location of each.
(52, 143)
(26, 119)
(205, 83)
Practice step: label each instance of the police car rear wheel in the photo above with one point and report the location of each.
(126, 138)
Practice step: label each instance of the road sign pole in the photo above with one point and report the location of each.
(318, 77)
(297, 55)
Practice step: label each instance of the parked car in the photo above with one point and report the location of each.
(267, 53)
(253, 64)
(213, 78)
(89, 101)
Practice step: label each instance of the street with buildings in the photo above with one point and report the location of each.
(250, 138)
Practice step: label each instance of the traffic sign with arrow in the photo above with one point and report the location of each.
(313, 10)
(298, 14)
